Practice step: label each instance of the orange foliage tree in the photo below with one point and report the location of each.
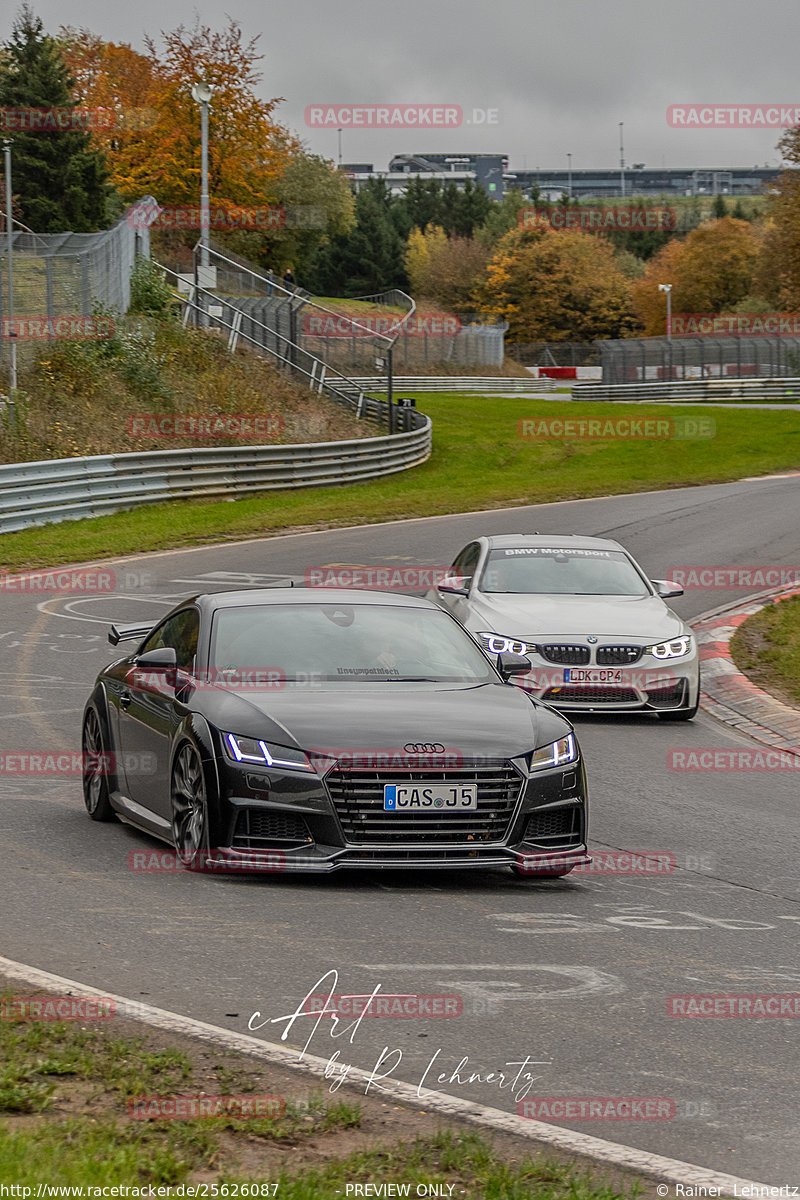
(711, 271)
(156, 146)
(557, 285)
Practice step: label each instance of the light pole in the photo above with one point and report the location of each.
(569, 176)
(12, 333)
(202, 93)
(340, 148)
(667, 287)
(621, 162)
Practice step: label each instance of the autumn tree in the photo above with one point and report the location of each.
(60, 180)
(248, 149)
(421, 245)
(319, 205)
(446, 270)
(778, 270)
(557, 285)
(711, 271)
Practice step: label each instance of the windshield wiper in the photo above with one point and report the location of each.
(412, 679)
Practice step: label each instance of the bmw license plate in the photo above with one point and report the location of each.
(583, 675)
(430, 797)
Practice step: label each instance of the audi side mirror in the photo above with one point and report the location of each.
(509, 664)
(666, 588)
(161, 662)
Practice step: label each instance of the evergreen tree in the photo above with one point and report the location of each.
(421, 203)
(719, 208)
(59, 180)
(472, 207)
(369, 258)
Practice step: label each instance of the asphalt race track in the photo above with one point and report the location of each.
(568, 980)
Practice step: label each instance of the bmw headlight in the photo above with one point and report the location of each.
(251, 750)
(496, 643)
(557, 754)
(677, 648)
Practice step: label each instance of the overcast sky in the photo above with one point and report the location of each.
(561, 74)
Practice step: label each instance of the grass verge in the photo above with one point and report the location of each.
(65, 1120)
(766, 647)
(479, 461)
(135, 390)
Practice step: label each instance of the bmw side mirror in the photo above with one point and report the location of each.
(453, 584)
(509, 664)
(163, 661)
(666, 588)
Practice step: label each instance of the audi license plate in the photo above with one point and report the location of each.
(430, 797)
(583, 675)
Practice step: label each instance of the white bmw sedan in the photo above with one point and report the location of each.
(596, 630)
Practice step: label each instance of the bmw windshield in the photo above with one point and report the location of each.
(545, 570)
(345, 643)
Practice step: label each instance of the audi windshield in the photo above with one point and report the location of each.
(345, 643)
(562, 572)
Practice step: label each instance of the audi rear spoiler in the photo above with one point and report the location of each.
(128, 633)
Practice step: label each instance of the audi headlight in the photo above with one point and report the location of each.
(251, 750)
(677, 648)
(565, 750)
(496, 643)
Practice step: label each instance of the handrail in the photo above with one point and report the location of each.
(316, 380)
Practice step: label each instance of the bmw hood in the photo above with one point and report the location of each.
(496, 720)
(646, 619)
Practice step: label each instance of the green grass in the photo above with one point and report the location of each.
(767, 648)
(478, 462)
(466, 1162)
(64, 1119)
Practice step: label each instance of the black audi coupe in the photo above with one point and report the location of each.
(313, 729)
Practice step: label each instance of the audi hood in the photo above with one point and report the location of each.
(386, 716)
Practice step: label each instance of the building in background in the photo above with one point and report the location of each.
(492, 171)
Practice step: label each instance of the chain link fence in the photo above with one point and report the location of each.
(67, 275)
(555, 354)
(634, 360)
(350, 335)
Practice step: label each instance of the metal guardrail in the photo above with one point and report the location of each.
(452, 383)
(686, 390)
(38, 493)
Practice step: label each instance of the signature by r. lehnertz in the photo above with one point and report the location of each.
(515, 1077)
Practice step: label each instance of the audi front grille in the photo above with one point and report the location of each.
(358, 799)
